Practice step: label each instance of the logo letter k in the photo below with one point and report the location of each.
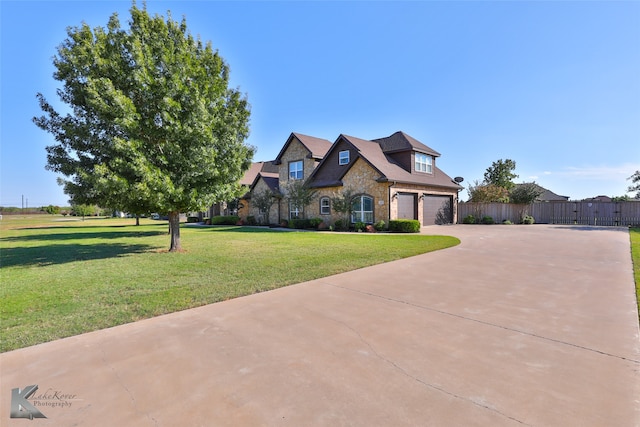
(21, 407)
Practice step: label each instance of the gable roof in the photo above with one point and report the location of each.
(400, 141)
(255, 168)
(372, 153)
(271, 179)
(317, 147)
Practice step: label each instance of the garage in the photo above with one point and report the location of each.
(407, 207)
(437, 210)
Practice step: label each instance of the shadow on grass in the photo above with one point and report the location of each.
(60, 254)
(76, 233)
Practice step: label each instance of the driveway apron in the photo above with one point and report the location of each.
(518, 325)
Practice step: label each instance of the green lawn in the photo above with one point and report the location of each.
(62, 278)
(635, 255)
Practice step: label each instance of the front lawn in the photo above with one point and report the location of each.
(63, 278)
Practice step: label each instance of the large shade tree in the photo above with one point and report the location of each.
(153, 125)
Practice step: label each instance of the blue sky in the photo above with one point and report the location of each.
(554, 86)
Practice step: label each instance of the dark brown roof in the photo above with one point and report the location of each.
(372, 153)
(317, 147)
(255, 168)
(400, 141)
(548, 195)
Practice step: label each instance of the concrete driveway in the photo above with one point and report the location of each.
(518, 325)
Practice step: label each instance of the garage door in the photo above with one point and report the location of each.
(407, 206)
(437, 210)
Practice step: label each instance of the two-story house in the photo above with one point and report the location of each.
(392, 178)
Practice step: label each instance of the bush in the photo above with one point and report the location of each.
(487, 220)
(469, 219)
(341, 225)
(251, 220)
(379, 226)
(225, 220)
(507, 222)
(359, 226)
(315, 223)
(192, 219)
(299, 224)
(528, 219)
(404, 226)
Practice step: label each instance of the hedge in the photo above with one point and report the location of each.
(404, 226)
(225, 220)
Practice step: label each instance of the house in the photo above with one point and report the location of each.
(392, 178)
(548, 195)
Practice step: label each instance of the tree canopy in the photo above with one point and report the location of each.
(635, 187)
(500, 173)
(153, 125)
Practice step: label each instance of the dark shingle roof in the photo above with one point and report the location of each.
(317, 147)
(400, 141)
(372, 152)
(255, 168)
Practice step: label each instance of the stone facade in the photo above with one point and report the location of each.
(262, 217)
(295, 152)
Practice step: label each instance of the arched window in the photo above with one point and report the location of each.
(362, 209)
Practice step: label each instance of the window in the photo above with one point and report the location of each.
(362, 209)
(295, 170)
(344, 157)
(325, 206)
(294, 211)
(423, 163)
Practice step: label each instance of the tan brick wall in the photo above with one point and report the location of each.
(260, 187)
(361, 179)
(295, 151)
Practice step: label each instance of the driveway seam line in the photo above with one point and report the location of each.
(423, 382)
(557, 341)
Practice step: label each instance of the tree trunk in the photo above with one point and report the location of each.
(137, 219)
(174, 230)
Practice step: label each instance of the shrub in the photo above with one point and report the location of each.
(341, 225)
(404, 226)
(192, 219)
(507, 222)
(315, 223)
(299, 224)
(528, 219)
(379, 226)
(225, 220)
(251, 220)
(469, 219)
(487, 219)
(359, 226)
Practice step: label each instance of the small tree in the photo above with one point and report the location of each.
(526, 193)
(500, 174)
(263, 200)
(488, 193)
(299, 195)
(51, 209)
(343, 203)
(82, 210)
(635, 179)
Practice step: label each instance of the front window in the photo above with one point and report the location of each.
(423, 163)
(325, 206)
(344, 157)
(295, 170)
(294, 211)
(362, 209)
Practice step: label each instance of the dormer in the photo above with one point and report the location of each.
(411, 154)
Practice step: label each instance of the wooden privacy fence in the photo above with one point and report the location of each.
(583, 213)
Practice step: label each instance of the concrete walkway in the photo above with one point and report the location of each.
(518, 325)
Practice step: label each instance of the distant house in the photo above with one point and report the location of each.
(393, 178)
(605, 199)
(548, 195)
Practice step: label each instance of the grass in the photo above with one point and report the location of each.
(63, 278)
(635, 256)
